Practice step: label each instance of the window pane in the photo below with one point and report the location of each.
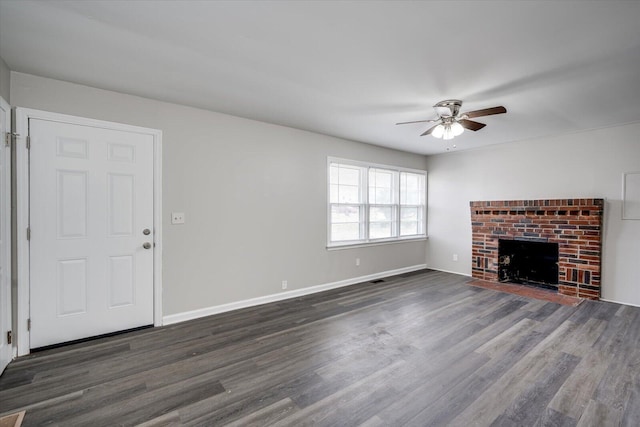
(410, 214)
(412, 181)
(383, 195)
(348, 194)
(411, 198)
(383, 178)
(380, 230)
(411, 188)
(346, 231)
(408, 228)
(380, 214)
(349, 176)
(334, 172)
(340, 214)
(333, 193)
(381, 187)
(382, 222)
(411, 221)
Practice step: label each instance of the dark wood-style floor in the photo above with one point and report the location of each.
(418, 349)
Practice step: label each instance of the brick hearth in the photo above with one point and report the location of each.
(575, 224)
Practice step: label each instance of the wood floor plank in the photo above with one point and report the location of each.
(574, 395)
(171, 419)
(268, 415)
(374, 421)
(552, 418)
(512, 383)
(351, 405)
(509, 336)
(419, 349)
(598, 414)
(530, 404)
(145, 406)
(450, 404)
(631, 409)
(415, 395)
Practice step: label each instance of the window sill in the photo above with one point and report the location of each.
(378, 243)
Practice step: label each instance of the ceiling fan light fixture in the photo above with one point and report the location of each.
(438, 132)
(456, 128)
(448, 133)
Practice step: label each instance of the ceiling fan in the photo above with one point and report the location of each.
(451, 122)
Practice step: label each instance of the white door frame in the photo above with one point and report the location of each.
(6, 310)
(22, 216)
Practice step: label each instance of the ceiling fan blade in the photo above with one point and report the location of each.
(485, 112)
(428, 131)
(471, 125)
(417, 121)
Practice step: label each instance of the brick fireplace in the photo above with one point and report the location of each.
(574, 224)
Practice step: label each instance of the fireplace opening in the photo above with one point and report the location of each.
(528, 262)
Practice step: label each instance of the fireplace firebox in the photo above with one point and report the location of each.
(528, 262)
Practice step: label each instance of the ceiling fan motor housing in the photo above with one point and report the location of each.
(448, 108)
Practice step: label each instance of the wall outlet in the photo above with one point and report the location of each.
(357, 262)
(455, 257)
(284, 284)
(177, 217)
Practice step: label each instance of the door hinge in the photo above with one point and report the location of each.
(28, 233)
(9, 337)
(28, 324)
(28, 142)
(10, 137)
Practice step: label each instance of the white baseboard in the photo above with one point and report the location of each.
(216, 309)
(448, 271)
(618, 302)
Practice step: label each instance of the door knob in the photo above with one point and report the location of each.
(146, 231)
(146, 245)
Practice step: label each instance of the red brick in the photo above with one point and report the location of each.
(543, 217)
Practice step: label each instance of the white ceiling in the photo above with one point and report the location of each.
(351, 69)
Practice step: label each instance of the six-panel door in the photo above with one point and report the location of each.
(91, 199)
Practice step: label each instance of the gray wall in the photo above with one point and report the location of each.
(5, 80)
(254, 195)
(587, 164)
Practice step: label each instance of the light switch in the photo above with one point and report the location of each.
(177, 217)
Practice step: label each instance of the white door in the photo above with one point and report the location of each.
(91, 205)
(5, 238)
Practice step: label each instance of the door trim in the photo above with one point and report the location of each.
(22, 216)
(6, 310)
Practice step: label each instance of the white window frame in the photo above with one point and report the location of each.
(365, 205)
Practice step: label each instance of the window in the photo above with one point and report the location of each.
(374, 203)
